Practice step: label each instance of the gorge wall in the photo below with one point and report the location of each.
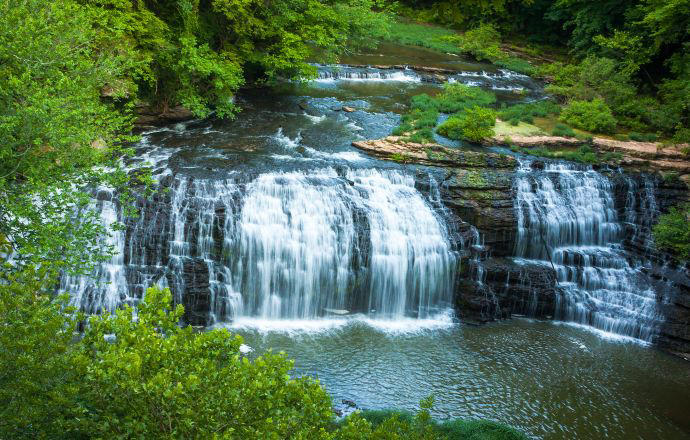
(589, 256)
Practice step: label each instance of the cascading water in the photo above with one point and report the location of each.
(567, 220)
(287, 245)
(111, 290)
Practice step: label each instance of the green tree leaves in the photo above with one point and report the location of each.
(673, 232)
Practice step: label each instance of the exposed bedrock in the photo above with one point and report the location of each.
(480, 193)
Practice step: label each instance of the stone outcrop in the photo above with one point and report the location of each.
(477, 189)
(154, 115)
(642, 156)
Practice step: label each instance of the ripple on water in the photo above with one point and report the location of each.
(552, 381)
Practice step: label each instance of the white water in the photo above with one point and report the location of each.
(567, 219)
(285, 246)
(111, 290)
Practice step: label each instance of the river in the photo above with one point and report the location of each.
(273, 225)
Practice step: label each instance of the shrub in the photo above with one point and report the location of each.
(527, 112)
(391, 424)
(638, 137)
(621, 137)
(592, 116)
(516, 65)
(153, 381)
(474, 125)
(456, 97)
(424, 119)
(402, 129)
(482, 42)
(422, 136)
(423, 102)
(673, 232)
(563, 130)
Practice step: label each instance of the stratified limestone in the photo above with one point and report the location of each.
(398, 149)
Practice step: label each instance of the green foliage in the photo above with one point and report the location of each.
(423, 35)
(474, 124)
(423, 136)
(423, 102)
(56, 134)
(391, 424)
(592, 116)
(563, 130)
(478, 430)
(484, 44)
(584, 154)
(199, 53)
(643, 137)
(457, 97)
(37, 385)
(515, 64)
(400, 157)
(153, 380)
(527, 112)
(672, 232)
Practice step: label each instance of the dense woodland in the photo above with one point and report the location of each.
(72, 74)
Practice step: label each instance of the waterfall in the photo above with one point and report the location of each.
(111, 290)
(567, 219)
(283, 245)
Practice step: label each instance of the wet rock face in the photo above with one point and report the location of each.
(640, 199)
(494, 286)
(506, 289)
(483, 197)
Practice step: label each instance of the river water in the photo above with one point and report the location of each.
(274, 226)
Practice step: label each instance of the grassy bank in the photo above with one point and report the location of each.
(423, 35)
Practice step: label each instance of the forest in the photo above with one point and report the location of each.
(74, 74)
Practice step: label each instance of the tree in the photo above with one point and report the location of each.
(56, 134)
(37, 383)
(673, 232)
(147, 377)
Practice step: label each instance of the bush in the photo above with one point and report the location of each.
(482, 42)
(516, 65)
(592, 116)
(456, 97)
(638, 137)
(527, 112)
(390, 424)
(422, 136)
(424, 119)
(474, 125)
(563, 130)
(153, 381)
(673, 232)
(423, 102)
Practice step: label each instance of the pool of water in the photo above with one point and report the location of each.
(551, 380)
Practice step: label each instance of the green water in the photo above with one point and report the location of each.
(553, 381)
